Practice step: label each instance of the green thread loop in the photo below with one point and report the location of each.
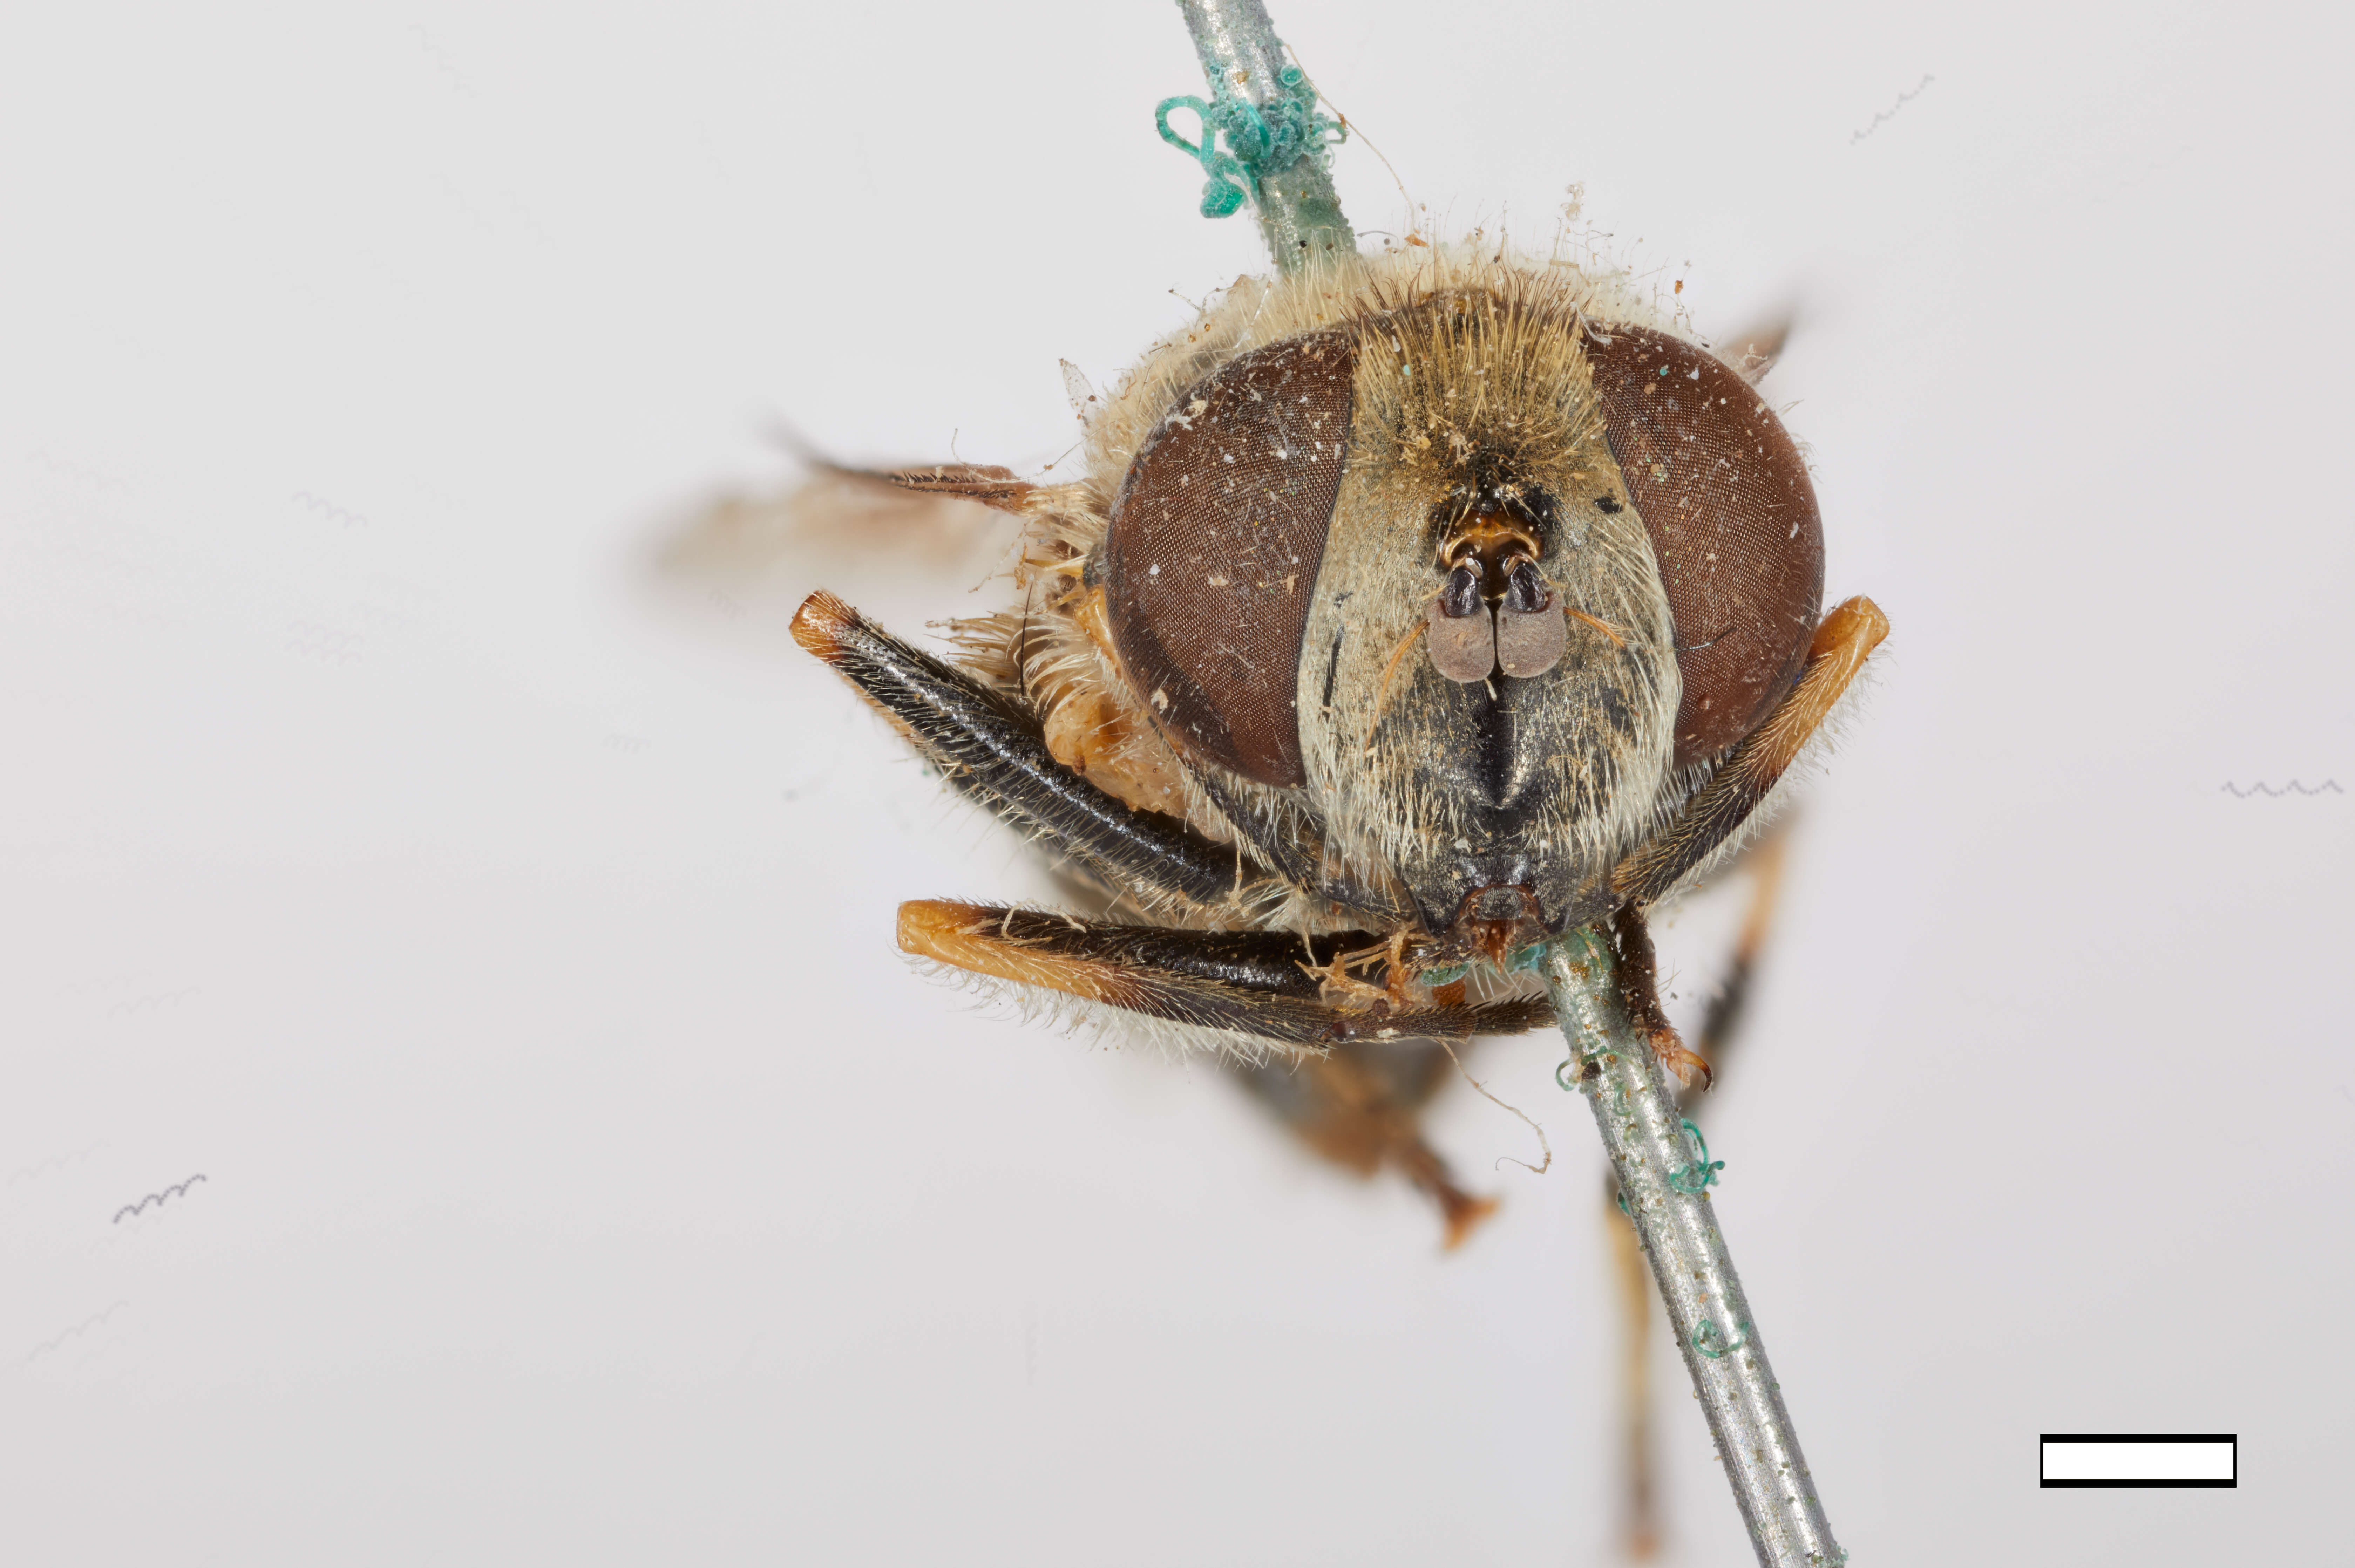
(1711, 1342)
(1223, 191)
(1261, 139)
(1702, 1172)
(1568, 1086)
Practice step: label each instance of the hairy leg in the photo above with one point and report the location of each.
(991, 748)
(1720, 808)
(1721, 1025)
(1258, 988)
(1639, 989)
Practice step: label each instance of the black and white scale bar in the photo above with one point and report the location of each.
(2141, 1460)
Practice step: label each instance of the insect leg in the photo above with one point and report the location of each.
(1717, 811)
(1358, 1107)
(991, 486)
(1639, 989)
(988, 483)
(1249, 984)
(1722, 1023)
(991, 748)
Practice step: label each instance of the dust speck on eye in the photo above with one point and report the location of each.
(1153, 570)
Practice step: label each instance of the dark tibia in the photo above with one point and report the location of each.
(1639, 989)
(1360, 1107)
(1267, 961)
(1727, 1009)
(1211, 979)
(991, 750)
(1721, 1026)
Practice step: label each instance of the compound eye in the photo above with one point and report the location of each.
(1531, 630)
(1462, 633)
(1217, 534)
(1732, 515)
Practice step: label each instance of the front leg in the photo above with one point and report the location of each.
(1639, 988)
(991, 748)
(1721, 808)
(1249, 990)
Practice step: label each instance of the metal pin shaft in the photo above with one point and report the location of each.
(1635, 1108)
(1665, 1186)
(1299, 215)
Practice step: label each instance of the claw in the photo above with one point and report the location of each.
(1673, 1055)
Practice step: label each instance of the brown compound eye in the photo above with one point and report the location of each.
(1732, 516)
(1217, 534)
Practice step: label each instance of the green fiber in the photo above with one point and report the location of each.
(1261, 139)
(1701, 1172)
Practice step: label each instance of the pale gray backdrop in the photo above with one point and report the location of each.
(506, 940)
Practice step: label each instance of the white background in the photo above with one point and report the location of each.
(508, 942)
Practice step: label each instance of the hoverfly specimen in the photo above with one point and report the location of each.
(1413, 610)
(1410, 612)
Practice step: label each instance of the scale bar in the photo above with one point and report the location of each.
(2140, 1459)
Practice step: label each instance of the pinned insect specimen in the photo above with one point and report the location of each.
(1415, 619)
(1413, 610)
